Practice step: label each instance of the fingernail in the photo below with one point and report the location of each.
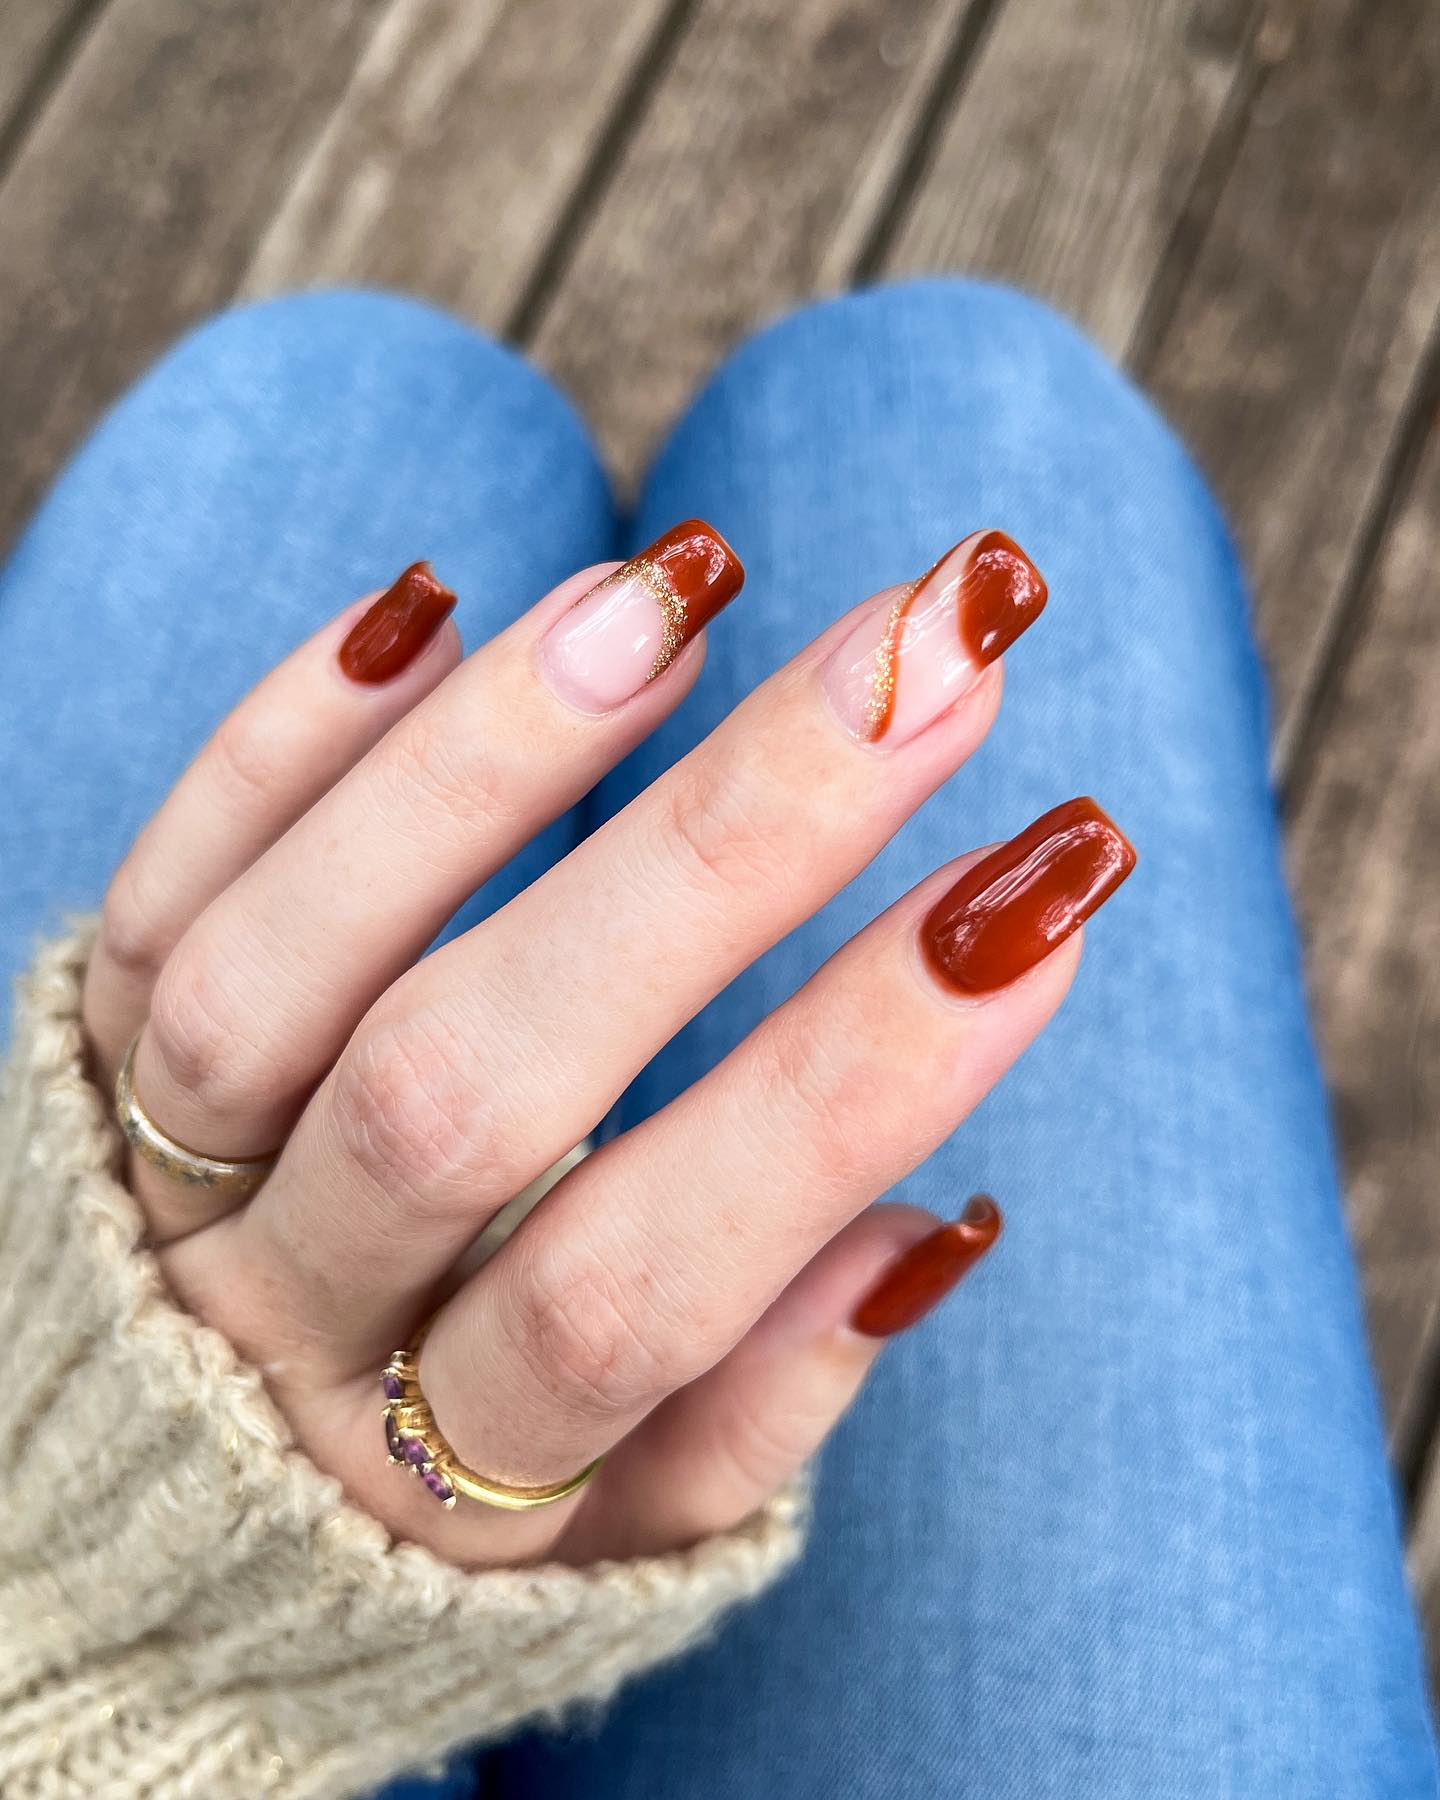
(632, 626)
(916, 1282)
(397, 627)
(910, 659)
(1013, 907)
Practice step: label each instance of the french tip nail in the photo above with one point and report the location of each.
(916, 652)
(628, 629)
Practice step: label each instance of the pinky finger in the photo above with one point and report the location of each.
(288, 741)
(719, 1448)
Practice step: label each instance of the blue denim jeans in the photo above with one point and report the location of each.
(1117, 1521)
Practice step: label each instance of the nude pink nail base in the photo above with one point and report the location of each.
(632, 625)
(918, 649)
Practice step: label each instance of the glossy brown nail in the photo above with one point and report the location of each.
(919, 1280)
(911, 658)
(1012, 908)
(394, 631)
(632, 625)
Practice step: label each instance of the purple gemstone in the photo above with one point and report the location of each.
(393, 1386)
(437, 1484)
(392, 1437)
(415, 1451)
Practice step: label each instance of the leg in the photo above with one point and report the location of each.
(1118, 1524)
(278, 463)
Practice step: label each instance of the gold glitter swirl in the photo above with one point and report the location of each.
(674, 621)
(674, 625)
(880, 699)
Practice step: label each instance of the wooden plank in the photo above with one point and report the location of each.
(453, 153)
(135, 201)
(1297, 337)
(35, 35)
(1424, 1563)
(727, 200)
(1076, 148)
(1365, 854)
(1289, 365)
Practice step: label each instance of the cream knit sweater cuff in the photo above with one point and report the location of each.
(187, 1605)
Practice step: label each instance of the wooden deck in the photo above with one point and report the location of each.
(1239, 199)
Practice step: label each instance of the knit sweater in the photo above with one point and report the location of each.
(188, 1606)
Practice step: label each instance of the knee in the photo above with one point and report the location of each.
(350, 359)
(886, 424)
(1015, 368)
(941, 405)
(326, 439)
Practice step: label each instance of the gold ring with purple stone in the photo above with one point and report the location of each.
(415, 1442)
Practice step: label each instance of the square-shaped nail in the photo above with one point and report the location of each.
(632, 625)
(912, 656)
(1008, 911)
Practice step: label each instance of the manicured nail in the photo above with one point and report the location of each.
(916, 1282)
(397, 627)
(911, 658)
(1013, 907)
(631, 626)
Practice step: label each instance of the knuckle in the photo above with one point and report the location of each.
(409, 1119)
(727, 831)
(589, 1346)
(133, 934)
(825, 1102)
(763, 1446)
(193, 1031)
(443, 790)
(249, 762)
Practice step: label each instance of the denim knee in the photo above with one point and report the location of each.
(884, 425)
(351, 349)
(339, 436)
(1019, 359)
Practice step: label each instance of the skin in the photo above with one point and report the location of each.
(679, 1302)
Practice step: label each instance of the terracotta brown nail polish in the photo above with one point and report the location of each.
(394, 631)
(919, 1280)
(1015, 905)
(914, 655)
(631, 626)
(701, 567)
(1003, 594)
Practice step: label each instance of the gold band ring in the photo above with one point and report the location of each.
(172, 1158)
(415, 1441)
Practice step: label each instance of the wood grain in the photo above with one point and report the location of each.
(451, 156)
(726, 204)
(1289, 364)
(133, 204)
(1300, 329)
(1365, 855)
(1076, 149)
(33, 36)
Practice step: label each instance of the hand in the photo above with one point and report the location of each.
(683, 1302)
